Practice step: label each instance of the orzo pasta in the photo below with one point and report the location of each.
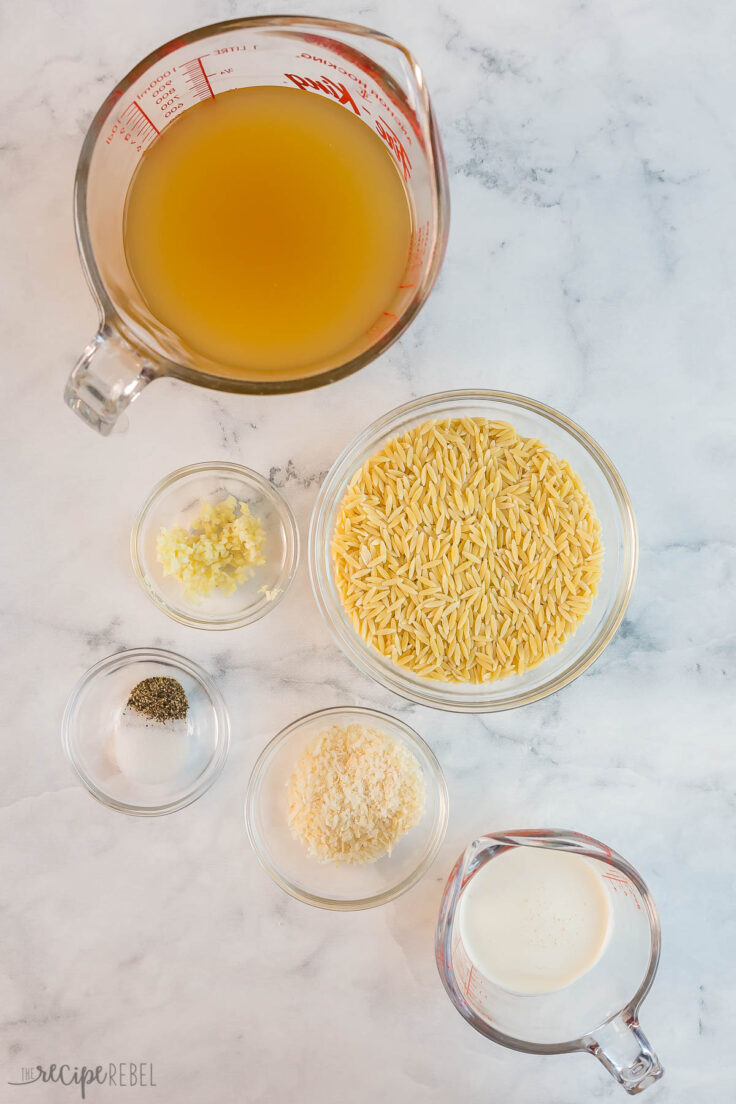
(466, 553)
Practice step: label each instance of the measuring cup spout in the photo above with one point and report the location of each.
(105, 380)
(624, 1050)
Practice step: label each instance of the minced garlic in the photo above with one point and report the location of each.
(270, 593)
(221, 549)
(353, 794)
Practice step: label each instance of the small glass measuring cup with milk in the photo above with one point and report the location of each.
(547, 942)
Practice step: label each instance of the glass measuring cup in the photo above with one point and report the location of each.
(367, 73)
(599, 1011)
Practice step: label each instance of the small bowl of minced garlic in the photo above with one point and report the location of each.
(215, 546)
(346, 808)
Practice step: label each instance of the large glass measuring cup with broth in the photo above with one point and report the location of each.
(261, 206)
(593, 948)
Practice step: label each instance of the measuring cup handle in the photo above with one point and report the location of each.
(105, 380)
(624, 1050)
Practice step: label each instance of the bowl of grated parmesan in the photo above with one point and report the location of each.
(346, 808)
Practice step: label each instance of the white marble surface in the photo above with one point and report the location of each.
(591, 265)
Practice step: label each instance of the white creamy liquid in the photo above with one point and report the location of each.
(534, 920)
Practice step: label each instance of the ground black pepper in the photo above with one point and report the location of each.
(160, 699)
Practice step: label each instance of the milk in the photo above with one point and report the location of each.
(533, 920)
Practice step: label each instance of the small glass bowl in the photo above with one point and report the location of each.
(343, 887)
(176, 500)
(618, 527)
(109, 746)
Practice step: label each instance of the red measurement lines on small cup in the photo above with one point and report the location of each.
(469, 983)
(197, 79)
(617, 880)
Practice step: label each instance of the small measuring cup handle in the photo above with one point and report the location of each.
(105, 380)
(624, 1050)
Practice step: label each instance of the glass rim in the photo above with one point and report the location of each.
(221, 715)
(436, 694)
(562, 840)
(431, 851)
(158, 363)
(293, 544)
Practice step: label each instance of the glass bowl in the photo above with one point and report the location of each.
(110, 747)
(176, 500)
(601, 481)
(343, 887)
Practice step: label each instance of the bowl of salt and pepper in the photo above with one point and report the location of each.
(146, 731)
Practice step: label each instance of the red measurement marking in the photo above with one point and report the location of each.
(134, 125)
(207, 81)
(628, 889)
(468, 983)
(136, 104)
(197, 78)
(390, 314)
(597, 843)
(407, 285)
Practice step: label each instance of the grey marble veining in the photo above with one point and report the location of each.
(591, 265)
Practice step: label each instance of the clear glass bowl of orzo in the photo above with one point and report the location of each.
(473, 569)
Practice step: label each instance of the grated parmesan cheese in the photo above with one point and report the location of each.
(220, 550)
(353, 794)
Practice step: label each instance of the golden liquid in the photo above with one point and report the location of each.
(268, 228)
